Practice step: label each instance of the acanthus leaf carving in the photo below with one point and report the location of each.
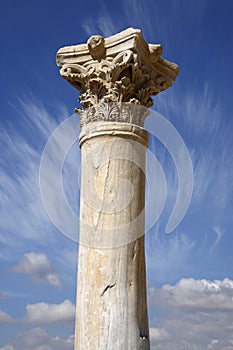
(122, 68)
(132, 113)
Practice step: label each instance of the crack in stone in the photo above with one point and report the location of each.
(107, 287)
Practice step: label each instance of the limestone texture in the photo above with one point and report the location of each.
(116, 78)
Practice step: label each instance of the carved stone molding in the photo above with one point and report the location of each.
(121, 68)
(114, 112)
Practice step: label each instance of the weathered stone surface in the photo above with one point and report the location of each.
(113, 171)
(121, 68)
(116, 77)
(111, 294)
(114, 112)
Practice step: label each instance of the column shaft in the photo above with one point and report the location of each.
(111, 292)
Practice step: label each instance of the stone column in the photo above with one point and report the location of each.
(116, 77)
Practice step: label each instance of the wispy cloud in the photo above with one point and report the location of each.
(168, 256)
(132, 14)
(23, 215)
(198, 117)
(104, 23)
(219, 234)
(137, 11)
(157, 24)
(67, 258)
(150, 17)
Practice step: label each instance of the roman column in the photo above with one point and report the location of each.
(116, 77)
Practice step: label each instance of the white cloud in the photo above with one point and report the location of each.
(201, 294)
(158, 335)
(5, 318)
(63, 344)
(39, 339)
(223, 345)
(193, 314)
(43, 313)
(32, 338)
(38, 265)
(7, 347)
(190, 315)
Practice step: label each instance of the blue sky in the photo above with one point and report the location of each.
(190, 274)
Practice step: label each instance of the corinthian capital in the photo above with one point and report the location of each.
(121, 68)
